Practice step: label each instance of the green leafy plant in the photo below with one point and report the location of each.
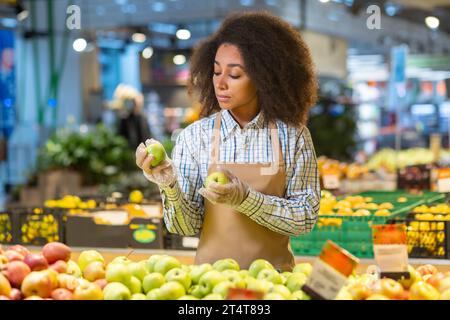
(100, 155)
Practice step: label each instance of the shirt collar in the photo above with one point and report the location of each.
(229, 125)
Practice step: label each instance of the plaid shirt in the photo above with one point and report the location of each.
(292, 215)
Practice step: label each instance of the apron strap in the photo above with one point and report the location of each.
(215, 143)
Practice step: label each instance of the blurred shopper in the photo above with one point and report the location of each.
(255, 80)
(133, 124)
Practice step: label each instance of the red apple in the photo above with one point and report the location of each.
(13, 255)
(427, 269)
(39, 283)
(388, 287)
(36, 261)
(434, 279)
(5, 286)
(20, 249)
(59, 266)
(55, 251)
(359, 291)
(16, 271)
(15, 294)
(62, 294)
(101, 283)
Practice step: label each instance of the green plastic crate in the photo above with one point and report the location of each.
(355, 233)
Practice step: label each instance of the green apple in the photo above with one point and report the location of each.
(116, 291)
(197, 291)
(226, 264)
(259, 285)
(154, 294)
(198, 270)
(172, 290)
(210, 279)
(300, 295)
(257, 265)
(73, 269)
(285, 275)
(270, 275)
(273, 296)
(213, 296)
(135, 285)
(217, 177)
(138, 296)
(235, 278)
(244, 273)
(151, 261)
(118, 273)
(165, 264)
(279, 288)
(121, 260)
(295, 281)
(152, 281)
(305, 268)
(222, 288)
(88, 256)
(179, 275)
(138, 269)
(158, 152)
(188, 297)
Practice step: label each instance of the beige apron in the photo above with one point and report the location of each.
(227, 233)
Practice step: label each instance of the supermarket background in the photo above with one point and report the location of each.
(69, 76)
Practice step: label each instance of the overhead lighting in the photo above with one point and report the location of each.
(183, 34)
(179, 59)
(79, 45)
(324, 1)
(147, 53)
(139, 37)
(432, 22)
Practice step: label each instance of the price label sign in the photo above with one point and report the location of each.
(443, 180)
(331, 181)
(330, 272)
(390, 250)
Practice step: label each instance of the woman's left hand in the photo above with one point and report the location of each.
(233, 193)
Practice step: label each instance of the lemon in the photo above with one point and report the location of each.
(136, 196)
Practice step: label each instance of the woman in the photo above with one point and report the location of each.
(255, 81)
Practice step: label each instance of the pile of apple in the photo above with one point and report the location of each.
(49, 274)
(425, 283)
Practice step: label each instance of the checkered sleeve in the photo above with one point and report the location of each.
(182, 205)
(297, 213)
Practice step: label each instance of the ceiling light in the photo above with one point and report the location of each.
(432, 22)
(139, 37)
(147, 53)
(183, 34)
(179, 59)
(79, 45)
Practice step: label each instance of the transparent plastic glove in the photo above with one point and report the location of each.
(163, 175)
(231, 194)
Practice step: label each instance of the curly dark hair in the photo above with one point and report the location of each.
(276, 58)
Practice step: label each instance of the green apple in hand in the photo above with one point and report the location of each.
(270, 275)
(152, 281)
(198, 270)
(179, 275)
(225, 264)
(217, 177)
(116, 291)
(172, 290)
(257, 265)
(158, 152)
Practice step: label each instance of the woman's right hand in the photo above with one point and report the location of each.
(164, 174)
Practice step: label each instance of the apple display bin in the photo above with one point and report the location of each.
(84, 231)
(354, 233)
(37, 226)
(6, 228)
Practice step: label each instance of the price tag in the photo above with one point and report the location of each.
(331, 181)
(390, 250)
(443, 183)
(330, 272)
(243, 294)
(190, 242)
